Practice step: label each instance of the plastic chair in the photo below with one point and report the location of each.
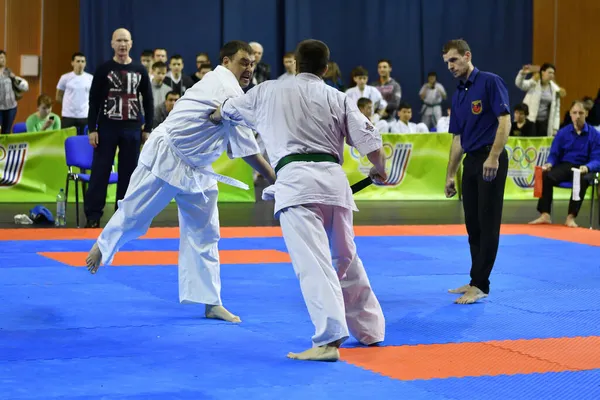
(19, 127)
(593, 178)
(79, 153)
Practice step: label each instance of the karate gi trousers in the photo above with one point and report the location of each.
(147, 195)
(431, 114)
(333, 280)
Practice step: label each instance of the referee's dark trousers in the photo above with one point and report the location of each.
(482, 203)
(128, 141)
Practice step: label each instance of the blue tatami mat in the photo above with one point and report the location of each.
(122, 334)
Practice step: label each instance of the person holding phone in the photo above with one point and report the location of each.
(542, 98)
(43, 119)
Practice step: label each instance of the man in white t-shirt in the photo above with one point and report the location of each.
(73, 91)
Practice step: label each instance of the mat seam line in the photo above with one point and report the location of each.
(534, 357)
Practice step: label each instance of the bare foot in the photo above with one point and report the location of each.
(543, 219)
(93, 259)
(323, 353)
(570, 222)
(220, 312)
(460, 290)
(471, 296)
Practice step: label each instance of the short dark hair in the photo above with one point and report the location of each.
(545, 66)
(432, 74)
(289, 54)
(312, 56)
(206, 65)
(363, 102)
(77, 54)
(159, 65)
(176, 57)
(229, 49)
(147, 53)
(2, 52)
(172, 92)
(202, 54)
(524, 108)
(404, 105)
(359, 71)
(384, 60)
(459, 45)
(158, 48)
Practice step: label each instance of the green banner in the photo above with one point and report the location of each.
(524, 154)
(34, 169)
(416, 165)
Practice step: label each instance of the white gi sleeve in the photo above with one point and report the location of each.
(241, 110)
(361, 133)
(242, 142)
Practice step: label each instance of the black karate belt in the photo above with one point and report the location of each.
(360, 185)
(309, 157)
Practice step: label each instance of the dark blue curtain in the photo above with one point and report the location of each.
(184, 27)
(256, 21)
(499, 32)
(410, 33)
(361, 33)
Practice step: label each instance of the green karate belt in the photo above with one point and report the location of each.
(309, 157)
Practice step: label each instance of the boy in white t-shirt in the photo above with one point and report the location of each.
(443, 124)
(361, 76)
(365, 106)
(403, 124)
(73, 91)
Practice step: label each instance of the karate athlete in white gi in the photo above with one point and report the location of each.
(304, 123)
(176, 163)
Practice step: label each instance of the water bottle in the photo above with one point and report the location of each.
(61, 203)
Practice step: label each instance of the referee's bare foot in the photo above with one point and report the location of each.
(471, 296)
(570, 222)
(220, 312)
(460, 290)
(543, 219)
(93, 259)
(322, 353)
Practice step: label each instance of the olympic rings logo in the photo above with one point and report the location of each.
(388, 151)
(522, 158)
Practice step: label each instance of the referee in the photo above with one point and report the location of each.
(480, 122)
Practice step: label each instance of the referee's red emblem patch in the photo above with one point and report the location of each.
(476, 107)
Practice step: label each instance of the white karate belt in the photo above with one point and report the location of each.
(204, 171)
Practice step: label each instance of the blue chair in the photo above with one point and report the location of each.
(593, 178)
(79, 153)
(19, 127)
